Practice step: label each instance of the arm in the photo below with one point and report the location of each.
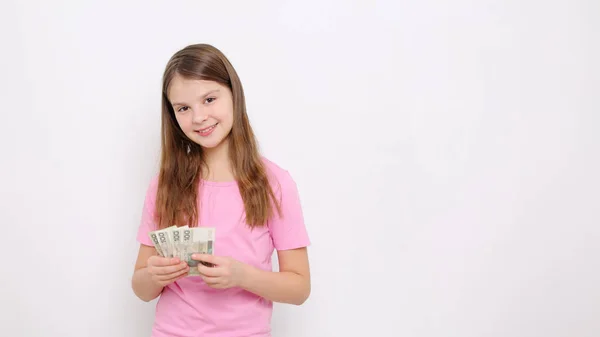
(143, 285)
(153, 273)
(290, 285)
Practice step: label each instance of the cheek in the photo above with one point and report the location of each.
(224, 112)
(183, 122)
(226, 123)
(225, 117)
(226, 120)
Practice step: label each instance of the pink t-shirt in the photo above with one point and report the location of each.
(189, 307)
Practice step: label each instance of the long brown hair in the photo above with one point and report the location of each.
(182, 159)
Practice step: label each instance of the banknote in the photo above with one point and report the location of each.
(154, 239)
(176, 236)
(165, 242)
(202, 242)
(183, 242)
(177, 246)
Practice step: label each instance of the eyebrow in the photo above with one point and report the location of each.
(214, 91)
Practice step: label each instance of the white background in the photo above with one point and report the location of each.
(446, 152)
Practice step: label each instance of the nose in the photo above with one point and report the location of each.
(199, 116)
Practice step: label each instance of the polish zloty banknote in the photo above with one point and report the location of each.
(154, 239)
(186, 244)
(162, 240)
(203, 240)
(183, 242)
(176, 235)
(165, 242)
(177, 246)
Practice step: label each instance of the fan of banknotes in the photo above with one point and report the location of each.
(183, 242)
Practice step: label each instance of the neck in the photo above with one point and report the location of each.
(217, 166)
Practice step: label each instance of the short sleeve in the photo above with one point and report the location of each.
(288, 231)
(147, 223)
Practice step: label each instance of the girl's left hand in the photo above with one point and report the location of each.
(225, 273)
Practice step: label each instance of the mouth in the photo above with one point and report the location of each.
(206, 131)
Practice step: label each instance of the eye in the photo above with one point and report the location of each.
(182, 109)
(210, 99)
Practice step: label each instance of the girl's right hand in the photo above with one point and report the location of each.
(165, 270)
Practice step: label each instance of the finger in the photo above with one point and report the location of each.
(169, 269)
(164, 283)
(207, 258)
(211, 281)
(210, 271)
(183, 275)
(173, 275)
(160, 261)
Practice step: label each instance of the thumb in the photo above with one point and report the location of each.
(207, 259)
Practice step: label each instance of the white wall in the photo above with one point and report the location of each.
(447, 155)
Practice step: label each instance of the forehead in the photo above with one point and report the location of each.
(186, 89)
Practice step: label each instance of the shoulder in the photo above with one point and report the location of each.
(273, 168)
(280, 178)
(153, 183)
(152, 188)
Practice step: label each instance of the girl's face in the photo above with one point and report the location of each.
(203, 109)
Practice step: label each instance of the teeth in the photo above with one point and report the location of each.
(208, 129)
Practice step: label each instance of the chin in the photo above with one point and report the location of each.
(210, 144)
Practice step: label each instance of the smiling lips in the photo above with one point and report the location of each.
(206, 131)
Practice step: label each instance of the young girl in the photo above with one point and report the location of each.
(212, 175)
